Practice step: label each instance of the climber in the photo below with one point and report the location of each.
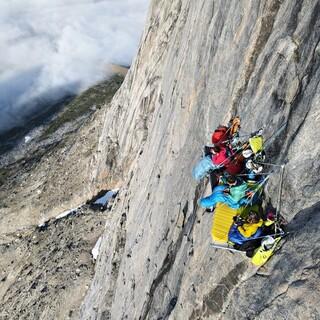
(220, 136)
(245, 230)
(234, 194)
(227, 135)
(219, 154)
(215, 158)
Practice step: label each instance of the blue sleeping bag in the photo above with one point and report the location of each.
(219, 195)
(236, 237)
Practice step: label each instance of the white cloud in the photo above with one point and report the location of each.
(51, 47)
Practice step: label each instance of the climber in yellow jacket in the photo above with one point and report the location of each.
(248, 229)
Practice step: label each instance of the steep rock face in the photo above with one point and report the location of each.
(199, 63)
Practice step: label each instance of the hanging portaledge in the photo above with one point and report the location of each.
(103, 200)
(238, 171)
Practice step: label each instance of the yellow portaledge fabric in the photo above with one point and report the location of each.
(222, 221)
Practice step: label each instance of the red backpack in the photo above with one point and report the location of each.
(220, 135)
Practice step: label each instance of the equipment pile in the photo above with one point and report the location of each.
(242, 220)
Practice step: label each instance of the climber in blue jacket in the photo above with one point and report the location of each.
(234, 194)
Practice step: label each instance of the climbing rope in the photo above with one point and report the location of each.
(258, 188)
(269, 164)
(275, 134)
(278, 208)
(256, 174)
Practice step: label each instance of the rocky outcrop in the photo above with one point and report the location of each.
(199, 63)
(49, 172)
(46, 271)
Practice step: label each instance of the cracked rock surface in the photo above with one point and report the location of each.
(199, 63)
(45, 272)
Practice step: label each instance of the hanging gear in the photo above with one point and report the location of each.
(256, 144)
(235, 125)
(247, 153)
(267, 243)
(253, 166)
(260, 156)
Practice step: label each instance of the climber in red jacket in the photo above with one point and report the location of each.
(219, 155)
(215, 159)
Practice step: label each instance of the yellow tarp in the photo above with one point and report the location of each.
(222, 221)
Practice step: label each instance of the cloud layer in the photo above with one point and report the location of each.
(49, 48)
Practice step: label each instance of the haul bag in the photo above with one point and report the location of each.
(261, 256)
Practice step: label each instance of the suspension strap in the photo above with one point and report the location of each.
(276, 234)
(258, 189)
(268, 141)
(278, 208)
(270, 164)
(255, 174)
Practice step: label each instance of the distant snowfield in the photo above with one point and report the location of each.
(49, 48)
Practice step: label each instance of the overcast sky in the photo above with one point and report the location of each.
(52, 47)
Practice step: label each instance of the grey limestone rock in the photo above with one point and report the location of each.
(199, 63)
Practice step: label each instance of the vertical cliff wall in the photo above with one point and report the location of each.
(200, 62)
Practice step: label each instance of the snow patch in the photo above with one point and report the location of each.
(27, 139)
(95, 250)
(65, 213)
(42, 224)
(106, 197)
(103, 200)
